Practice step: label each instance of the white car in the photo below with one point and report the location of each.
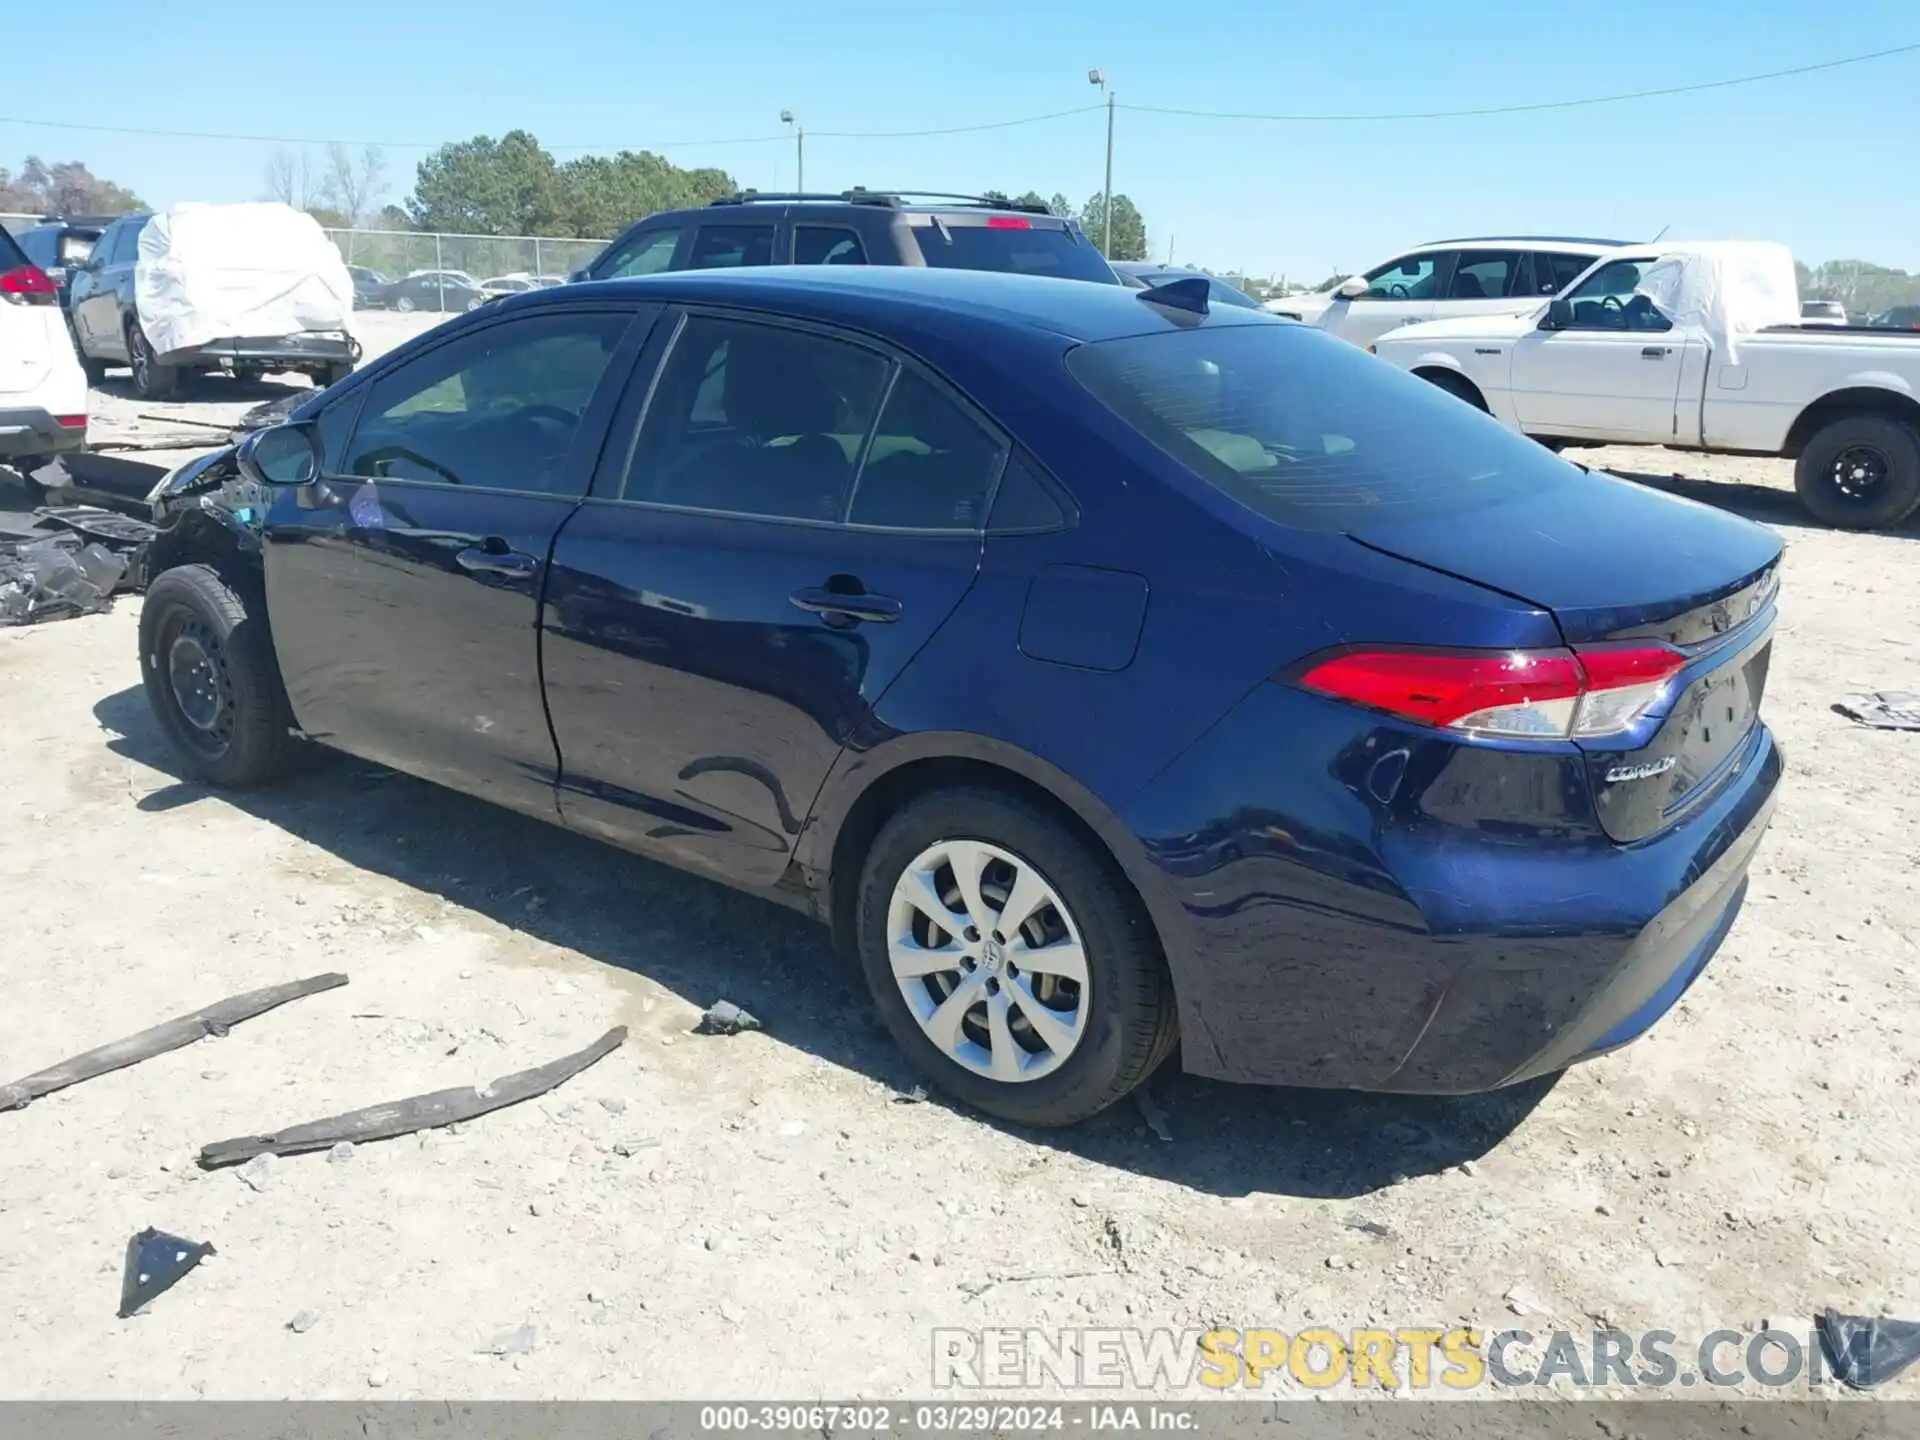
(1696, 346)
(43, 390)
(1822, 312)
(1444, 279)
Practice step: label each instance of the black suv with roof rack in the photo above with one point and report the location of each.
(856, 227)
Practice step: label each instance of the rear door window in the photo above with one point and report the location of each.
(1483, 275)
(1552, 273)
(721, 246)
(827, 245)
(1307, 430)
(1011, 244)
(929, 466)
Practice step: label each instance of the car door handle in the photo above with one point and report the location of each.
(500, 563)
(875, 609)
(1654, 352)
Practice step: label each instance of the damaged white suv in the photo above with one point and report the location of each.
(43, 390)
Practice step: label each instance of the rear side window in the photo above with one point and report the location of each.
(11, 255)
(1308, 431)
(827, 245)
(1483, 275)
(719, 246)
(1013, 246)
(35, 245)
(930, 465)
(1553, 273)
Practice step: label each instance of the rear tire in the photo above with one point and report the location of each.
(151, 379)
(1860, 472)
(212, 679)
(403, 304)
(1099, 1037)
(1457, 386)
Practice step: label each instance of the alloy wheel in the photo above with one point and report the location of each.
(989, 960)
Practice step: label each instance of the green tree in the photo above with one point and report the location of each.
(1061, 206)
(484, 186)
(1332, 282)
(1031, 200)
(1129, 227)
(600, 195)
(66, 187)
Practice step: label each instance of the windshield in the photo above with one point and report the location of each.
(1033, 250)
(1307, 430)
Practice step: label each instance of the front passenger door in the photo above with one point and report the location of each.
(1613, 374)
(1401, 292)
(405, 587)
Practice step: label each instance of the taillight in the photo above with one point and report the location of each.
(71, 422)
(1008, 222)
(1580, 694)
(28, 285)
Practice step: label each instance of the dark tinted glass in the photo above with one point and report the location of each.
(1024, 502)
(1483, 275)
(717, 246)
(1059, 253)
(930, 465)
(1553, 273)
(498, 407)
(646, 254)
(39, 246)
(827, 245)
(1308, 430)
(757, 420)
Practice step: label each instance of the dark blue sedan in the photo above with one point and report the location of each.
(1112, 670)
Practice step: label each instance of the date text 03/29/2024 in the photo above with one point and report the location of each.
(964, 1418)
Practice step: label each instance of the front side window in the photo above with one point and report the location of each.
(1308, 431)
(827, 245)
(646, 254)
(723, 246)
(498, 407)
(757, 420)
(1606, 299)
(1415, 277)
(1483, 275)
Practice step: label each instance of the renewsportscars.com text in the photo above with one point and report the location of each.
(1430, 1358)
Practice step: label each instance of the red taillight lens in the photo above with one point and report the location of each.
(1008, 222)
(28, 285)
(1522, 694)
(71, 422)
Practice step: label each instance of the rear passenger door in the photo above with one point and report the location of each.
(95, 307)
(799, 512)
(724, 245)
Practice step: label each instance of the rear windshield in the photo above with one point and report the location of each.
(1310, 431)
(1054, 251)
(11, 257)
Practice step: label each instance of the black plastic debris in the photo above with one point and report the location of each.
(55, 578)
(273, 412)
(117, 532)
(1867, 1351)
(724, 1017)
(156, 1261)
(1883, 709)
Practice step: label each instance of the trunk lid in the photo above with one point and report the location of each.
(1616, 561)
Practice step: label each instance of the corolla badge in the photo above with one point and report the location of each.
(1645, 770)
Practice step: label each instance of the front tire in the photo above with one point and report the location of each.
(1457, 386)
(212, 680)
(1044, 1017)
(404, 304)
(1860, 472)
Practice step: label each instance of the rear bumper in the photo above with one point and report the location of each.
(289, 350)
(1365, 909)
(36, 432)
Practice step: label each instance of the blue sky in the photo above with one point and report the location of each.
(1824, 162)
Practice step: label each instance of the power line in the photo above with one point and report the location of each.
(930, 133)
(555, 149)
(1539, 105)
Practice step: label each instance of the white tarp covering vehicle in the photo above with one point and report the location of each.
(1698, 347)
(221, 272)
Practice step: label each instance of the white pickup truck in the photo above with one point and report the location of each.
(1697, 347)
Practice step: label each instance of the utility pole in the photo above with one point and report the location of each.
(1097, 77)
(799, 150)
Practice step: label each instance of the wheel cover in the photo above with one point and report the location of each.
(989, 960)
(198, 683)
(1859, 470)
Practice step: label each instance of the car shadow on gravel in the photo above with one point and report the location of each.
(706, 942)
(1767, 504)
(203, 389)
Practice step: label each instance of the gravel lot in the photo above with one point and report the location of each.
(761, 1215)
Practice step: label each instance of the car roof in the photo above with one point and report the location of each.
(1531, 242)
(923, 299)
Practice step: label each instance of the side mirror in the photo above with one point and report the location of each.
(1352, 288)
(280, 455)
(1559, 315)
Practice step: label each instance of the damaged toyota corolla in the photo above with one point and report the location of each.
(1114, 673)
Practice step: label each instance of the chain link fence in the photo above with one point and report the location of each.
(400, 253)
